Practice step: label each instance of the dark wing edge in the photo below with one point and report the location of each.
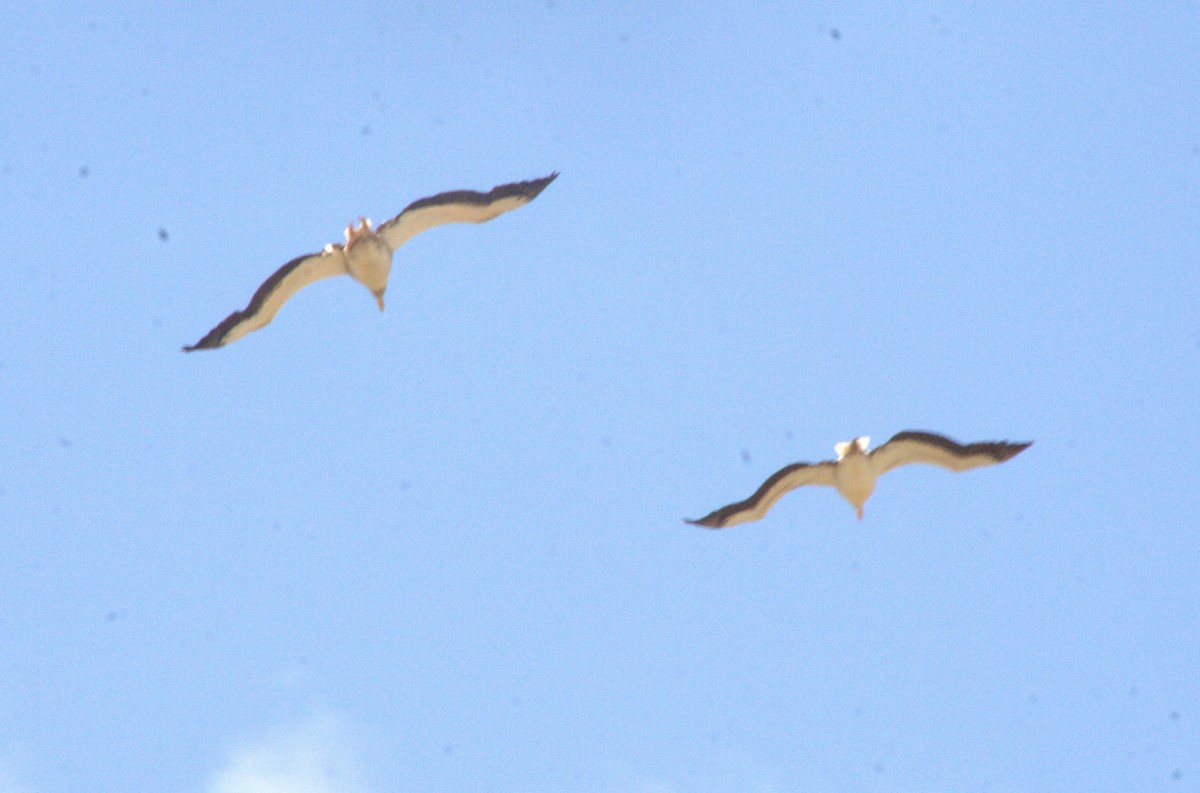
(527, 191)
(719, 519)
(996, 450)
(216, 337)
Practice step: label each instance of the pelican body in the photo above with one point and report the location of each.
(368, 258)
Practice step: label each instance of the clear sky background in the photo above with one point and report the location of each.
(441, 550)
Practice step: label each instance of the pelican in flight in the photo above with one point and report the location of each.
(366, 255)
(855, 470)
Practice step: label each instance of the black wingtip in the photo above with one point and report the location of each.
(1011, 450)
(207, 343)
(703, 524)
(534, 187)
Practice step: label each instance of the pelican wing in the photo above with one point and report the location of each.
(912, 446)
(274, 292)
(459, 206)
(781, 482)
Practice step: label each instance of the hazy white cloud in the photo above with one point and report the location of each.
(315, 756)
(10, 763)
(8, 784)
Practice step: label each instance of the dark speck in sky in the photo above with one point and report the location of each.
(163, 235)
(835, 34)
(83, 172)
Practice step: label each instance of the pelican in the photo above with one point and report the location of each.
(366, 255)
(855, 470)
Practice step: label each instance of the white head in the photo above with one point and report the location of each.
(353, 234)
(857, 446)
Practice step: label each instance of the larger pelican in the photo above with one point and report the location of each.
(366, 255)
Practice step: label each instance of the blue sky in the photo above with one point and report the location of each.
(440, 549)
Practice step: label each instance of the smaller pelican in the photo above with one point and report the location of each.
(855, 471)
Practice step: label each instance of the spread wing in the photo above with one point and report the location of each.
(274, 292)
(459, 206)
(912, 446)
(781, 482)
